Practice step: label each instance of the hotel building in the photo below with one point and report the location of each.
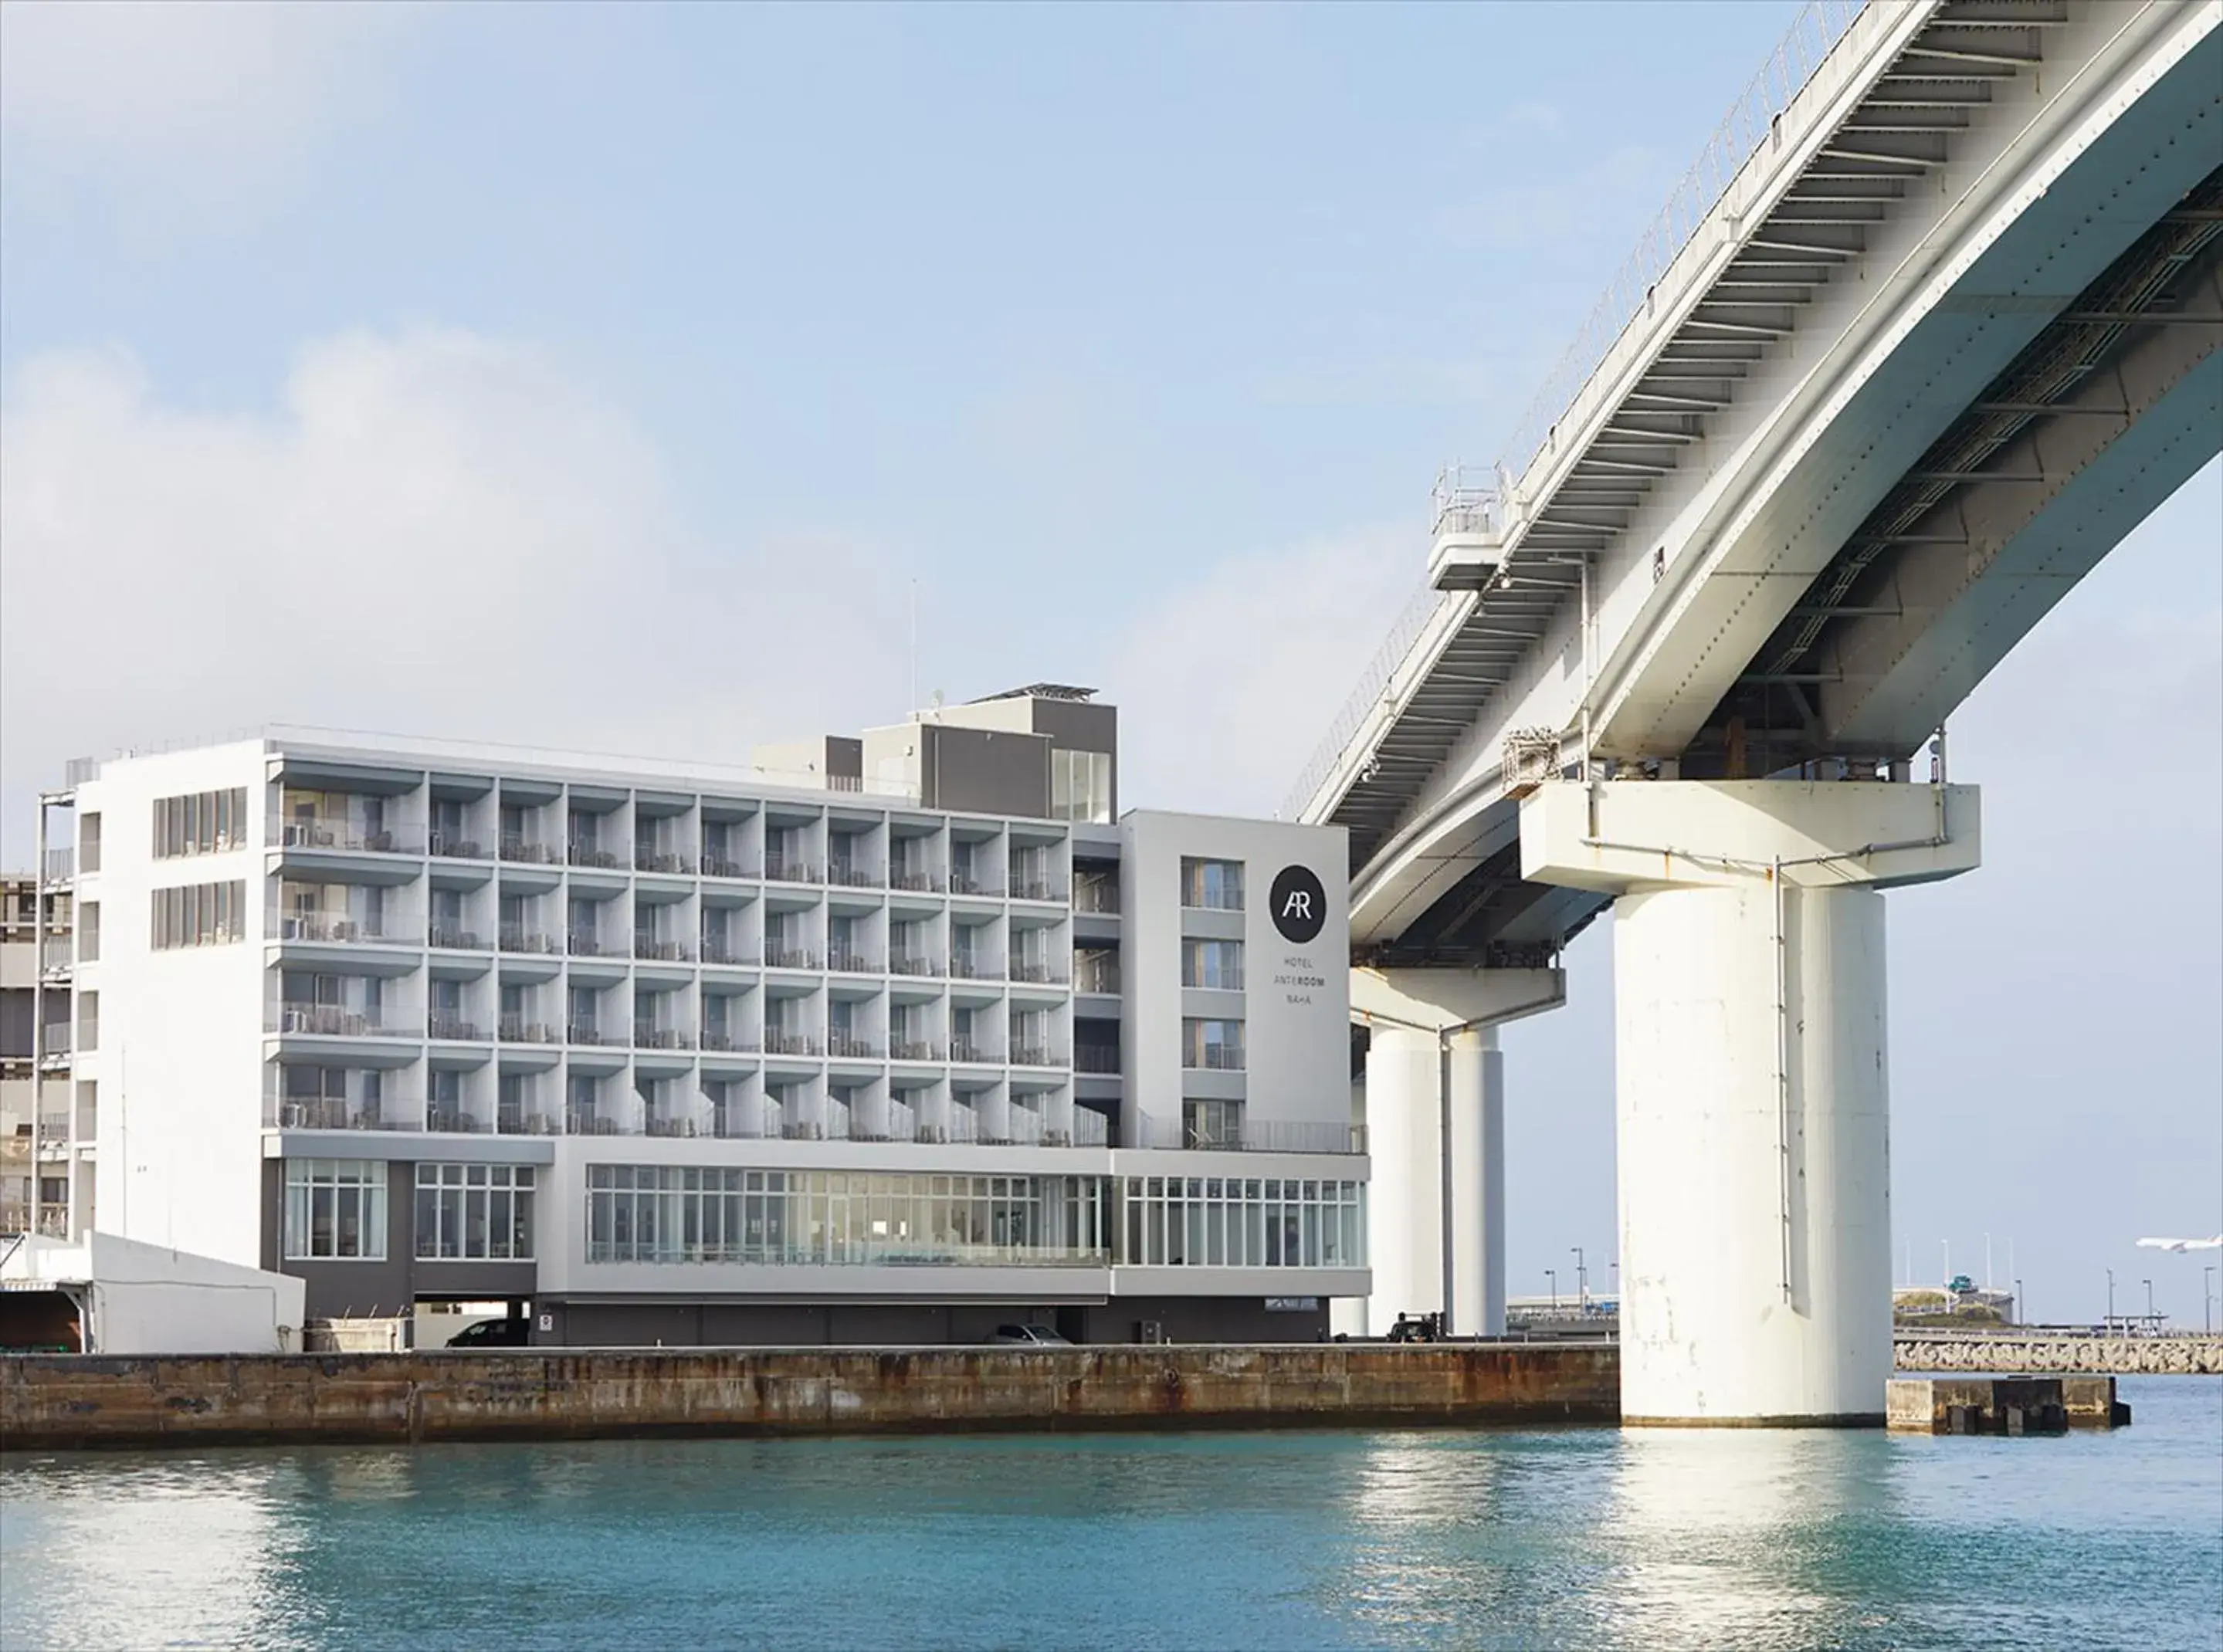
(880, 1039)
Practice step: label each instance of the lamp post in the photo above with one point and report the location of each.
(2149, 1312)
(1552, 1275)
(2205, 1274)
(2022, 1308)
(1582, 1281)
(2111, 1299)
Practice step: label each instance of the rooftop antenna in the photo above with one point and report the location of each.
(913, 642)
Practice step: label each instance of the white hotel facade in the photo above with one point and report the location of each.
(883, 1039)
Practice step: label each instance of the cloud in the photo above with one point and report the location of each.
(1225, 685)
(435, 533)
(137, 104)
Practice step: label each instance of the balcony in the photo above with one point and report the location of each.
(454, 1029)
(662, 951)
(1213, 1058)
(673, 1127)
(966, 884)
(918, 882)
(55, 959)
(790, 957)
(967, 1050)
(331, 1022)
(447, 1119)
(515, 938)
(579, 1122)
(662, 860)
(334, 928)
(54, 1044)
(527, 851)
(785, 868)
(60, 865)
(581, 852)
(1039, 972)
(1096, 974)
(585, 943)
(331, 832)
(849, 961)
(723, 866)
(515, 1120)
(1036, 1055)
(914, 964)
(325, 1113)
(585, 1033)
(914, 1049)
(975, 967)
(449, 848)
(1096, 1057)
(728, 1043)
(457, 940)
(1097, 894)
(790, 1044)
(1037, 889)
(1090, 1128)
(648, 1037)
(515, 1029)
(852, 1047)
(1248, 1135)
(849, 875)
(724, 951)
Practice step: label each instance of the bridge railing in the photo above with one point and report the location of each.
(1750, 121)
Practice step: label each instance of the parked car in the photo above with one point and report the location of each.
(1037, 1336)
(490, 1334)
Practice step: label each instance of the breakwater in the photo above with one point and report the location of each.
(62, 1401)
(2189, 1355)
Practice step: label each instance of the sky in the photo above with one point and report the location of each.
(641, 379)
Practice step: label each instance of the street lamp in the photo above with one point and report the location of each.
(2149, 1312)
(2022, 1308)
(1582, 1280)
(2205, 1274)
(2111, 1299)
(1552, 1274)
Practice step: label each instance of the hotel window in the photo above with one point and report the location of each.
(1214, 963)
(1213, 1045)
(1079, 785)
(1200, 1221)
(200, 823)
(200, 914)
(477, 1212)
(88, 932)
(88, 842)
(1211, 885)
(335, 1209)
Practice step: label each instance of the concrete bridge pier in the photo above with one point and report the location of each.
(1435, 1127)
(1752, 1086)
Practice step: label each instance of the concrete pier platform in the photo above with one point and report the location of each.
(2011, 1405)
(52, 1402)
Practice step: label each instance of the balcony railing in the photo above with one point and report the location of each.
(457, 940)
(581, 1121)
(725, 866)
(454, 1027)
(665, 951)
(585, 1033)
(790, 957)
(1090, 1129)
(1098, 895)
(579, 852)
(790, 1044)
(967, 1050)
(647, 1037)
(329, 831)
(923, 882)
(662, 860)
(448, 1119)
(330, 1021)
(326, 1113)
(1213, 1058)
(850, 874)
(663, 1127)
(584, 942)
(975, 967)
(1039, 972)
(1099, 975)
(786, 868)
(966, 883)
(914, 1049)
(1096, 1057)
(55, 1040)
(914, 964)
(515, 938)
(525, 1121)
(1249, 1135)
(1038, 1055)
(725, 951)
(457, 848)
(851, 1046)
(332, 926)
(527, 851)
(849, 961)
(728, 1043)
(516, 1029)
(1037, 889)
(55, 958)
(1019, 1128)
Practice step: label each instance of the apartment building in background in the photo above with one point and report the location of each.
(884, 1039)
(46, 1134)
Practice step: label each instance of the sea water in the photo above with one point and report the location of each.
(1531, 1538)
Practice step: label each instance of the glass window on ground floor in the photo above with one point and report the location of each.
(335, 1209)
(478, 1213)
(1257, 1222)
(670, 1213)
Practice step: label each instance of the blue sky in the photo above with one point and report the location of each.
(358, 365)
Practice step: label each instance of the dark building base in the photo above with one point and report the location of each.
(589, 1322)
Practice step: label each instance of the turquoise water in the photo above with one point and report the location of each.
(1564, 1538)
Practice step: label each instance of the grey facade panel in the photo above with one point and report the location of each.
(1212, 1004)
(984, 771)
(1200, 923)
(15, 1006)
(1214, 1084)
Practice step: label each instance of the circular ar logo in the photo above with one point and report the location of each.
(1300, 904)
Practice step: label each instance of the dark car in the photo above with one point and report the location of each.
(490, 1334)
(1034, 1336)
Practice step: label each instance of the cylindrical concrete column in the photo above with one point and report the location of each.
(1753, 1126)
(1475, 1161)
(1405, 1197)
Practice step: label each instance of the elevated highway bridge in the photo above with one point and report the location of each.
(1936, 322)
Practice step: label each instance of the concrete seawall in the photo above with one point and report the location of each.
(60, 1401)
(2188, 1355)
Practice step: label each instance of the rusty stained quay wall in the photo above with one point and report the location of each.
(60, 1401)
